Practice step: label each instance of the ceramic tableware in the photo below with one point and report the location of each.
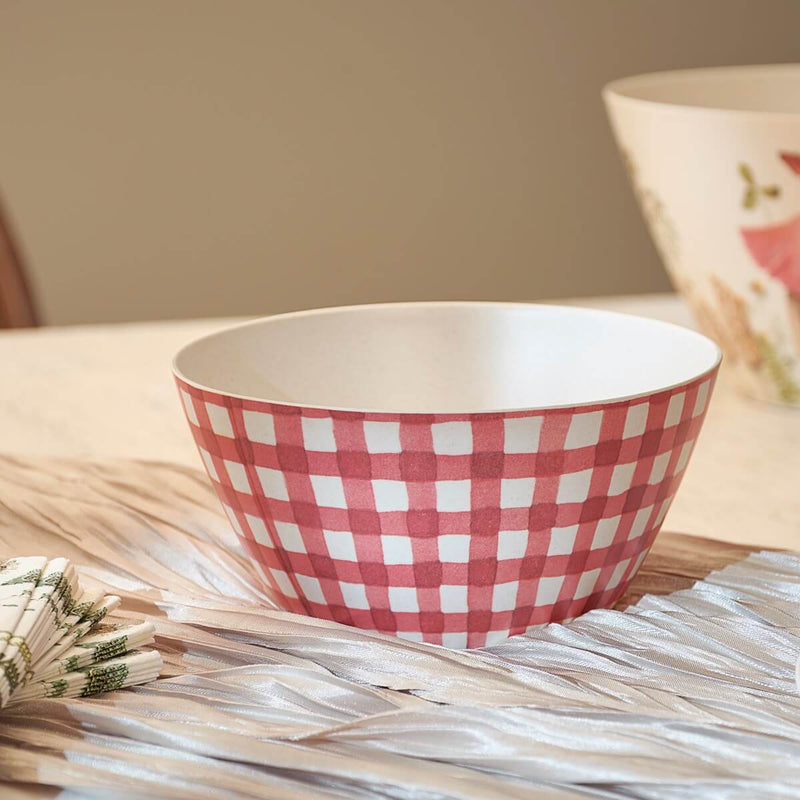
(452, 473)
(714, 159)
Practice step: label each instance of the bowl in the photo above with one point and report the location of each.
(451, 473)
(714, 159)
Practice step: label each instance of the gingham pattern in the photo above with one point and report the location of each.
(452, 529)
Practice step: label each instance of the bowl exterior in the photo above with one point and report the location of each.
(457, 529)
(720, 193)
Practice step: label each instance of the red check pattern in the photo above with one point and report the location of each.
(457, 529)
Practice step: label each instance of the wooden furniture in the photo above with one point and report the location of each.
(257, 702)
(17, 309)
(117, 400)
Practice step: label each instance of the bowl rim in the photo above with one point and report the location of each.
(615, 91)
(595, 312)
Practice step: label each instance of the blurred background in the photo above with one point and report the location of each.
(191, 158)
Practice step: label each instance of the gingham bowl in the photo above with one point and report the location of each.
(452, 473)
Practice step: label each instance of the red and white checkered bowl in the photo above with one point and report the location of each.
(452, 473)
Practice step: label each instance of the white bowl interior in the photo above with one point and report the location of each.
(446, 357)
(768, 88)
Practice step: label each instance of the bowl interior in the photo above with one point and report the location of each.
(768, 88)
(446, 357)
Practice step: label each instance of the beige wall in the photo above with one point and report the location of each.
(189, 158)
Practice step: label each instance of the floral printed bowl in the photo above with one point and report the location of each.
(714, 158)
(452, 473)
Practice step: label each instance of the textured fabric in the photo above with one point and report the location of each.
(455, 529)
(689, 695)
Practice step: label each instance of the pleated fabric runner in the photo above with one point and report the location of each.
(690, 694)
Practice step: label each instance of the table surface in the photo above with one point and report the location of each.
(105, 391)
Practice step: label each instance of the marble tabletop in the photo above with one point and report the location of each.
(101, 391)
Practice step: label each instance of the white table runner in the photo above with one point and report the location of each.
(690, 695)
